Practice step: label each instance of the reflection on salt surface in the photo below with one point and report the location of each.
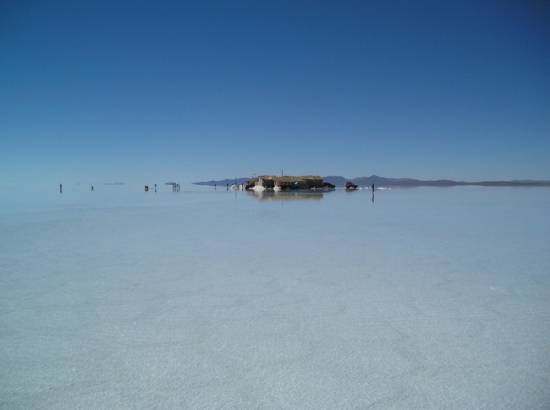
(287, 196)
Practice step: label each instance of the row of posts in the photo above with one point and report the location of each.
(175, 187)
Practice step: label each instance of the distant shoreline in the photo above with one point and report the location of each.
(340, 181)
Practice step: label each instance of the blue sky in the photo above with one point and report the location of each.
(102, 91)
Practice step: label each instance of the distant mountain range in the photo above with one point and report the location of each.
(340, 181)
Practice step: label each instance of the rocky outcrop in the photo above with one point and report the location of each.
(290, 183)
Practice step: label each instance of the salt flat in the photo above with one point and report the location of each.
(428, 298)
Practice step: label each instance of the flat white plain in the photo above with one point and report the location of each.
(426, 298)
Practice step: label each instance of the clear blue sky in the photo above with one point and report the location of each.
(102, 91)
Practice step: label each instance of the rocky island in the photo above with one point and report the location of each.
(288, 183)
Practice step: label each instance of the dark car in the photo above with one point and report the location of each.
(350, 186)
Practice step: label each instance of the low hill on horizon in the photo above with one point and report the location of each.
(223, 182)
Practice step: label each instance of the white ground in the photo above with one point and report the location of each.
(428, 299)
